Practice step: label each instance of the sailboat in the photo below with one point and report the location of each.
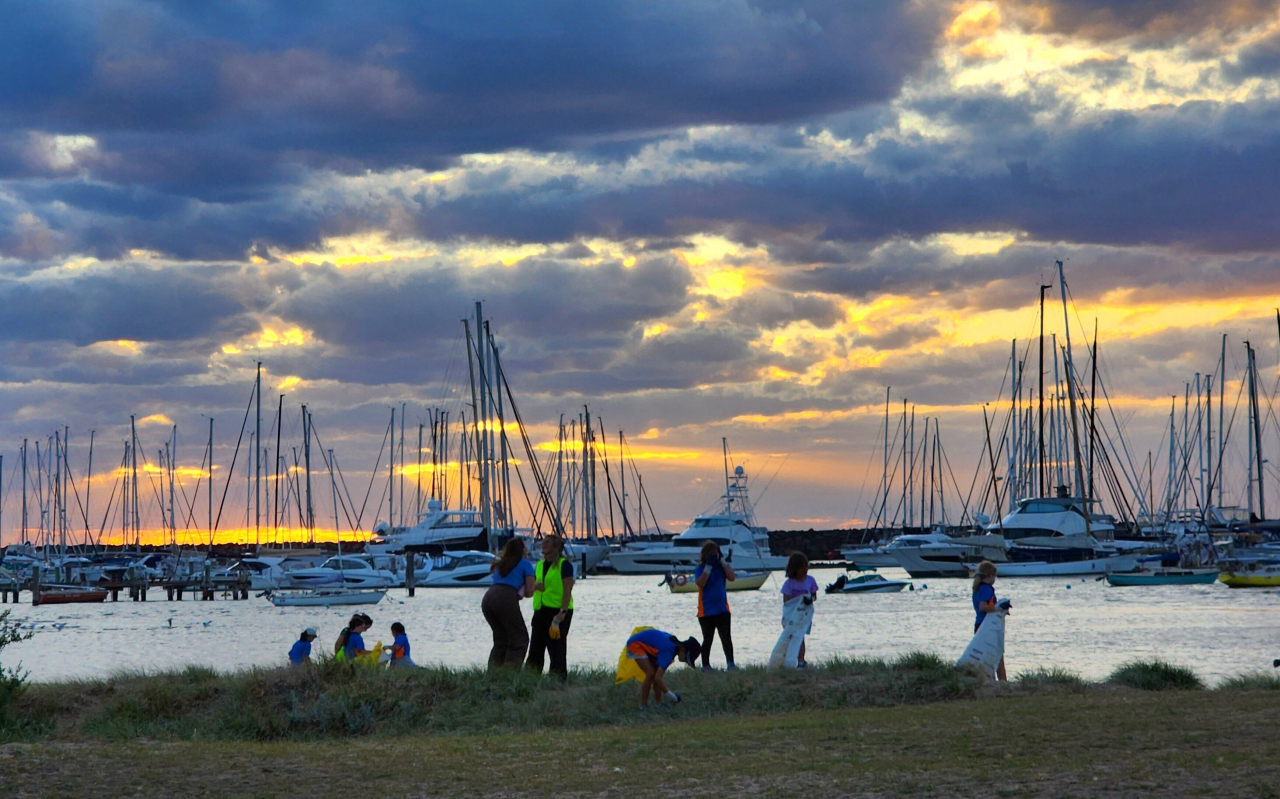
(326, 595)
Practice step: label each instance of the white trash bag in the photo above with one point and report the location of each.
(986, 650)
(797, 615)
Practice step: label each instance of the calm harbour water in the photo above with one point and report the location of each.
(1082, 625)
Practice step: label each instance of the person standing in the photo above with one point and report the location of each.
(512, 581)
(552, 608)
(798, 593)
(713, 603)
(984, 602)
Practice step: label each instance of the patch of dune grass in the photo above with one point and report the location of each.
(329, 699)
(1050, 679)
(1155, 675)
(1259, 681)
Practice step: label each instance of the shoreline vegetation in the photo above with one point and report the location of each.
(332, 700)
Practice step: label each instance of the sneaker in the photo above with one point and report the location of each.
(731, 667)
(707, 669)
(802, 665)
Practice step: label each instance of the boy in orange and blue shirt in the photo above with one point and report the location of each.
(654, 651)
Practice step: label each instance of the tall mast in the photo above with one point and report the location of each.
(884, 475)
(391, 472)
(1071, 384)
(257, 459)
(1222, 396)
(133, 468)
(1208, 440)
(1093, 405)
(1041, 453)
(1257, 429)
(88, 484)
(472, 357)
(24, 491)
(417, 474)
(210, 500)
(306, 457)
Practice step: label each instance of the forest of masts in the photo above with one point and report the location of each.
(1057, 433)
(287, 473)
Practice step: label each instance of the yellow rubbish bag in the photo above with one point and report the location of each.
(370, 658)
(628, 669)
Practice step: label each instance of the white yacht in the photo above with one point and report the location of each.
(350, 571)
(936, 554)
(1048, 536)
(744, 545)
(456, 570)
(450, 529)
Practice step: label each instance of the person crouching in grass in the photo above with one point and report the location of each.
(654, 651)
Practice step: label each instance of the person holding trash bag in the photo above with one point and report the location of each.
(798, 593)
(984, 603)
(512, 581)
(552, 608)
(654, 651)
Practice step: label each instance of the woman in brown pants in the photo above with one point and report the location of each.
(512, 581)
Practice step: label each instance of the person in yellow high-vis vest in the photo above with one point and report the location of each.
(552, 608)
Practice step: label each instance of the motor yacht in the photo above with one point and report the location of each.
(1058, 536)
(733, 527)
(936, 554)
(456, 570)
(448, 529)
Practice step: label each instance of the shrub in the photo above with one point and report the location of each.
(12, 680)
(1050, 678)
(1155, 675)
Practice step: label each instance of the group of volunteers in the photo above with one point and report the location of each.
(549, 584)
(350, 644)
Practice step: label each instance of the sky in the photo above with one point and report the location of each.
(703, 219)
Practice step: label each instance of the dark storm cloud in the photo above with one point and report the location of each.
(1149, 20)
(201, 98)
(769, 308)
(129, 302)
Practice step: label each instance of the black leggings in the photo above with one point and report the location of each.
(710, 626)
(540, 640)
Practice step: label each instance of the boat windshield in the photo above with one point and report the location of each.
(698, 542)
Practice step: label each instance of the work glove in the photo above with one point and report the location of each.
(554, 632)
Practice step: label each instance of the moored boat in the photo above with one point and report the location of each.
(66, 595)
(1251, 574)
(866, 584)
(325, 597)
(686, 584)
(1164, 577)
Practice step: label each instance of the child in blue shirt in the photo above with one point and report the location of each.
(654, 651)
(301, 652)
(984, 602)
(400, 647)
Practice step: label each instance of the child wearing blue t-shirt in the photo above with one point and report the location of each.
(984, 602)
(301, 651)
(400, 647)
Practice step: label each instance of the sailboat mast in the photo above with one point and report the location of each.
(1257, 429)
(257, 460)
(1069, 365)
(1041, 453)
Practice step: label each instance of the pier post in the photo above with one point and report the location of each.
(410, 577)
(35, 585)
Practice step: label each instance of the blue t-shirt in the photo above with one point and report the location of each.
(401, 645)
(515, 578)
(713, 598)
(354, 643)
(300, 653)
(985, 593)
(655, 644)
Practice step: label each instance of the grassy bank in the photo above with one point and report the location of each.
(335, 700)
(1095, 742)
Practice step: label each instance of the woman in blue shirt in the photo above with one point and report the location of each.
(984, 601)
(713, 603)
(512, 581)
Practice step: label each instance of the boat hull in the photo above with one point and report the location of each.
(1250, 580)
(69, 597)
(745, 582)
(869, 560)
(322, 598)
(1071, 568)
(1198, 577)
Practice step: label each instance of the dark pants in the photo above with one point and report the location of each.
(501, 608)
(540, 639)
(710, 626)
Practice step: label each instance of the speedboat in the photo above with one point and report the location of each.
(447, 529)
(744, 545)
(350, 571)
(67, 594)
(457, 570)
(686, 584)
(1251, 574)
(866, 584)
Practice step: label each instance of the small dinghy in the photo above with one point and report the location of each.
(686, 584)
(1165, 577)
(866, 584)
(325, 597)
